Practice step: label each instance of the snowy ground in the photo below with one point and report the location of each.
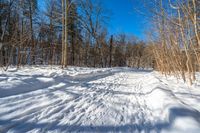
(45, 99)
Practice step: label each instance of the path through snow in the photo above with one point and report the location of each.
(96, 100)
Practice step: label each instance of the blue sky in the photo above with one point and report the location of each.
(124, 18)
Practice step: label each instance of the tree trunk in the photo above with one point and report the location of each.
(32, 57)
(111, 43)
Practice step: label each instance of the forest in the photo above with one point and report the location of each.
(54, 37)
(74, 33)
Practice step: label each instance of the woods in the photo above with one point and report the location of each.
(64, 33)
(71, 32)
(177, 46)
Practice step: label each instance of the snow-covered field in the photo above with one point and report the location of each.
(44, 99)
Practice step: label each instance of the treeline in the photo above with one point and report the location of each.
(74, 32)
(177, 37)
(65, 32)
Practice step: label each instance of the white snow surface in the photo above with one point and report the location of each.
(49, 99)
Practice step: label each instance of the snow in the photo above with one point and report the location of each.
(49, 99)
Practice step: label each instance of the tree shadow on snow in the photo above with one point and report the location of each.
(23, 126)
(32, 82)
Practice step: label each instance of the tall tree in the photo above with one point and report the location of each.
(30, 10)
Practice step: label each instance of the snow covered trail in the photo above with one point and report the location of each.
(96, 100)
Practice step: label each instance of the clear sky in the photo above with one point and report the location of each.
(124, 17)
